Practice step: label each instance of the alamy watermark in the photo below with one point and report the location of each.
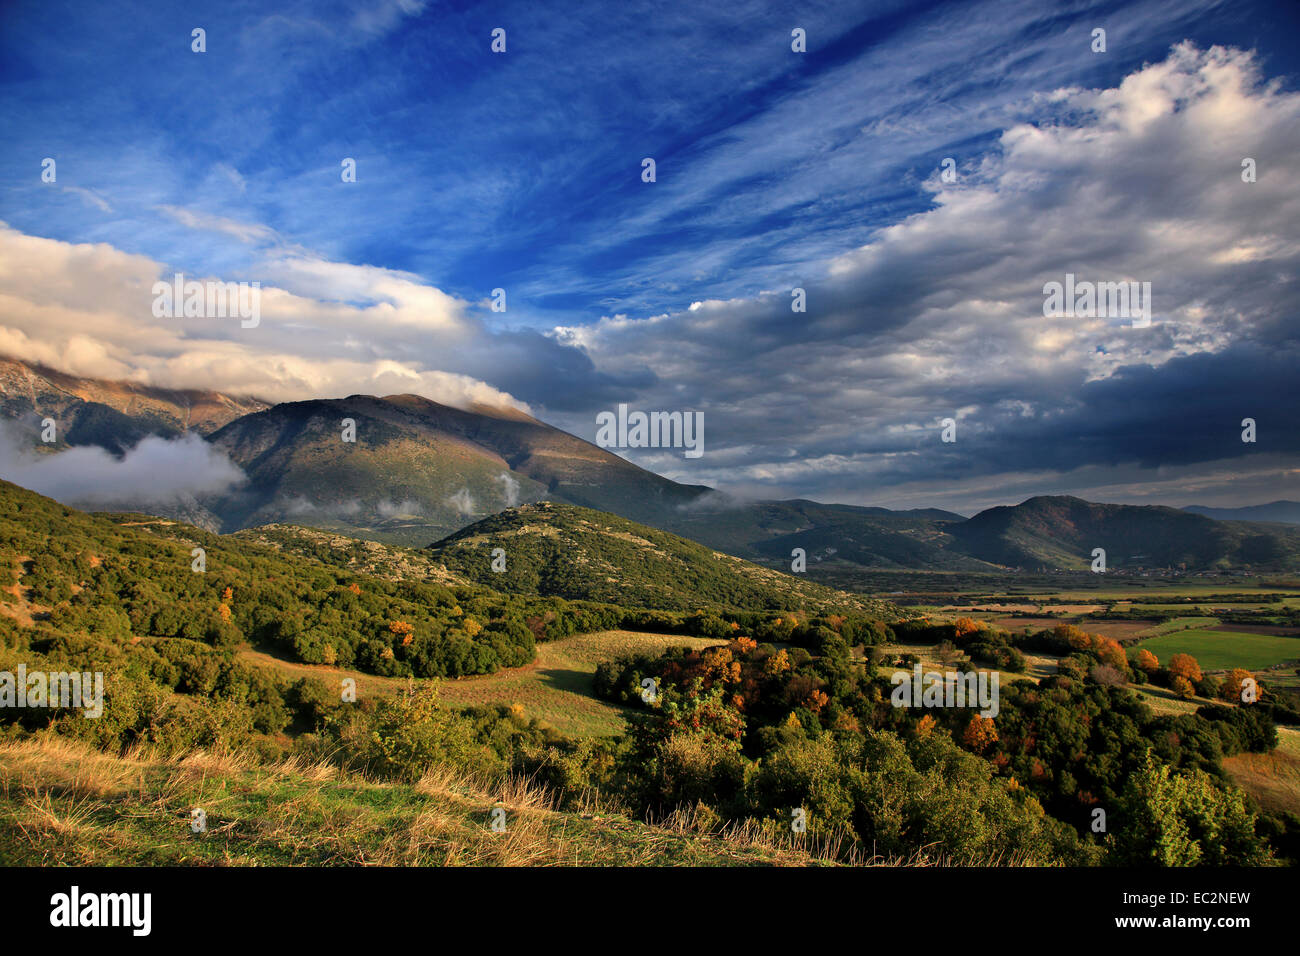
(1092, 300)
(208, 300)
(133, 911)
(53, 689)
(626, 429)
(947, 689)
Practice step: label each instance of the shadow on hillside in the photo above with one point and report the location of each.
(561, 678)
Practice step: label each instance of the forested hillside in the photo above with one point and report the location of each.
(576, 553)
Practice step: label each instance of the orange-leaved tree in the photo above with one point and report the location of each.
(1186, 667)
(980, 733)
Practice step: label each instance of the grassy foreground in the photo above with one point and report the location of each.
(66, 804)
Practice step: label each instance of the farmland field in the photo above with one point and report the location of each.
(1222, 650)
(556, 687)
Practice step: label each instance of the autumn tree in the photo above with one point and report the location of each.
(1110, 653)
(979, 734)
(1147, 661)
(1186, 667)
(1231, 688)
(778, 663)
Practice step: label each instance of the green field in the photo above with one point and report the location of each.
(556, 687)
(1176, 625)
(1223, 650)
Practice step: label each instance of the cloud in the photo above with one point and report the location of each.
(380, 16)
(509, 489)
(231, 174)
(157, 472)
(90, 196)
(405, 508)
(463, 503)
(244, 232)
(941, 314)
(86, 309)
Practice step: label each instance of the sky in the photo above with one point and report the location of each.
(820, 170)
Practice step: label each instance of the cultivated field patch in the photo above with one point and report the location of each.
(1222, 650)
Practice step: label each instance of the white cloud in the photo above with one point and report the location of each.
(90, 196)
(172, 470)
(943, 310)
(86, 309)
(244, 232)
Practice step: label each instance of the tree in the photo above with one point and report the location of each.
(1186, 667)
(1230, 689)
(1111, 654)
(1147, 661)
(979, 734)
(1168, 819)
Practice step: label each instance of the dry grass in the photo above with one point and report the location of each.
(1272, 778)
(67, 804)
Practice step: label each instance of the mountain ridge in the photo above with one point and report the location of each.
(112, 414)
(418, 471)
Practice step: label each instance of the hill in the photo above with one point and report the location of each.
(391, 562)
(1280, 512)
(418, 471)
(1061, 532)
(111, 414)
(129, 588)
(577, 553)
(768, 531)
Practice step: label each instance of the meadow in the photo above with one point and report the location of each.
(556, 688)
(1222, 650)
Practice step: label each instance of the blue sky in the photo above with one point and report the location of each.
(522, 171)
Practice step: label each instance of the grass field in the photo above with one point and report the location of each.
(1272, 778)
(1178, 624)
(1037, 666)
(1223, 650)
(65, 804)
(1164, 701)
(556, 687)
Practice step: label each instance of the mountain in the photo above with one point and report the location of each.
(768, 531)
(1280, 512)
(1061, 532)
(112, 414)
(576, 553)
(418, 470)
